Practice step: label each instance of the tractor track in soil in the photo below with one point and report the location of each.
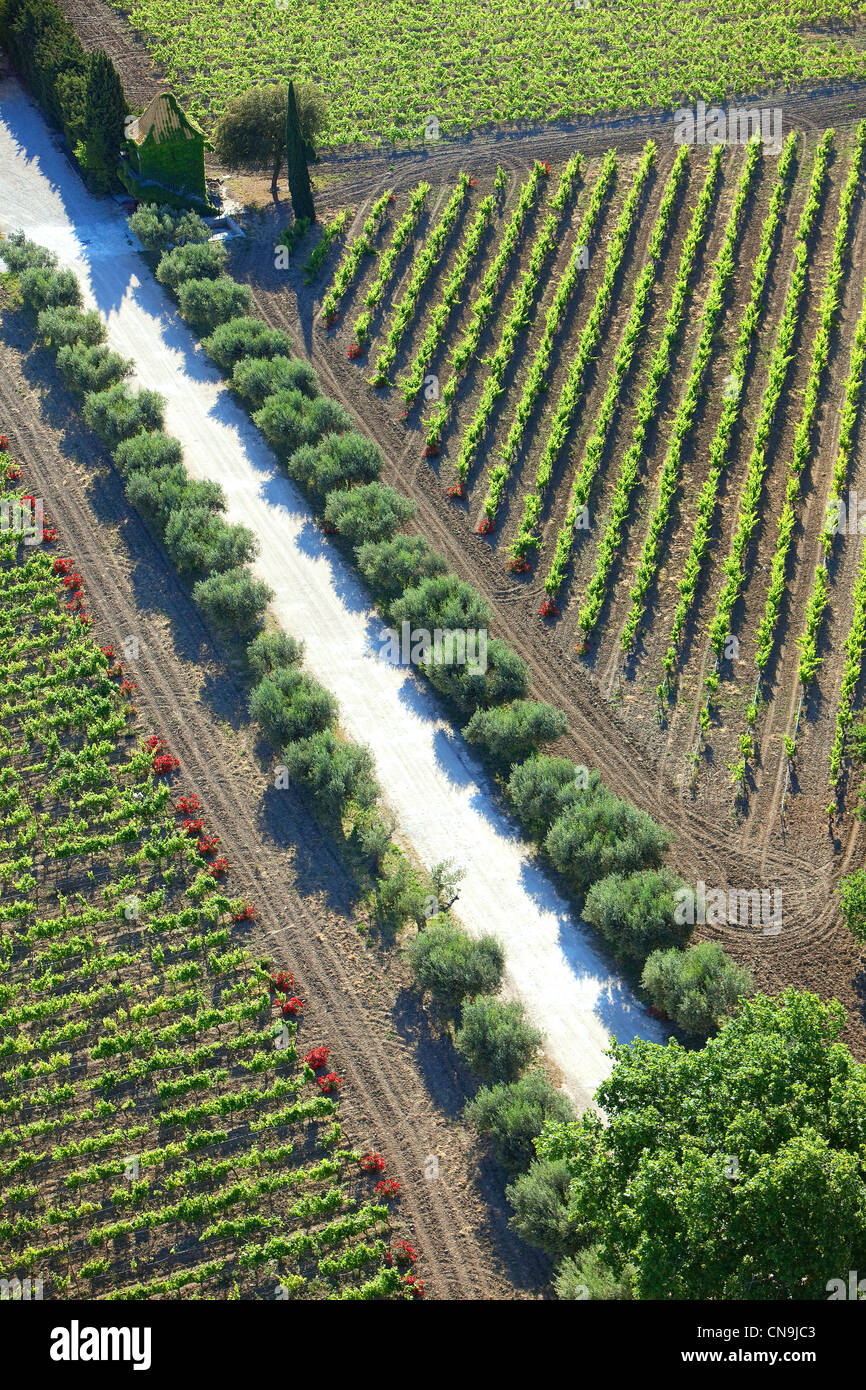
(467, 1251)
(814, 952)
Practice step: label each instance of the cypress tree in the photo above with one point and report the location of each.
(105, 109)
(296, 157)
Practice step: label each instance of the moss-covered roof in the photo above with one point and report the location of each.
(164, 120)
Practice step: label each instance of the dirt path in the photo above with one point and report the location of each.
(402, 1089)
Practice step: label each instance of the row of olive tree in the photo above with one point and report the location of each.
(607, 851)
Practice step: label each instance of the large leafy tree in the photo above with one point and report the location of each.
(734, 1171)
(251, 132)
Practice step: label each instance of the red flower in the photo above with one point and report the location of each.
(458, 490)
(431, 450)
(486, 526)
(218, 868)
(388, 1187)
(518, 565)
(545, 167)
(329, 1083)
(192, 827)
(49, 534)
(415, 1286)
(62, 565)
(354, 352)
(13, 473)
(126, 687)
(208, 843)
(548, 609)
(330, 320)
(283, 981)
(403, 1253)
(291, 1007)
(317, 1056)
(164, 763)
(189, 805)
(4, 443)
(245, 913)
(372, 1163)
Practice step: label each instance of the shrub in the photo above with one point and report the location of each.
(372, 834)
(540, 1201)
(443, 601)
(496, 1038)
(333, 771)
(146, 452)
(390, 567)
(207, 303)
(272, 649)
(118, 412)
(507, 734)
(325, 416)
(852, 891)
(164, 492)
(91, 368)
(637, 913)
(338, 459)
(369, 513)
(543, 786)
(587, 1276)
(507, 677)
(234, 600)
(200, 542)
(451, 965)
(281, 421)
(66, 324)
(699, 988)
(20, 254)
(42, 287)
(256, 378)
(480, 682)
(156, 494)
(512, 1116)
(158, 228)
(601, 835)
(198, 261)
(245, 337)
(290, 705)
(400, 896)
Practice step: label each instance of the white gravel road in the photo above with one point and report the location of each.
(436, 788)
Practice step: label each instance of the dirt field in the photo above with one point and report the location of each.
(610, 727)
(404, 1087)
